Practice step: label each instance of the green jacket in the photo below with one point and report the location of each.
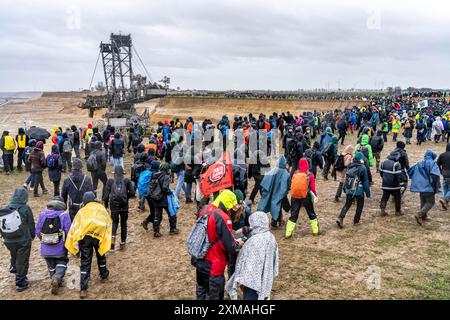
(365, 144)
(19, 203)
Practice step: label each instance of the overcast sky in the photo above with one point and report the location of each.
(246, 44)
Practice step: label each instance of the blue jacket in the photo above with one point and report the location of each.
(425, 175)
(275, 186)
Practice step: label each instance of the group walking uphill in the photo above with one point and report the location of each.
(220, 180)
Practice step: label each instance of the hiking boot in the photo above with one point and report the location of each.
(383, 213)
(36, 196)
(157, 235)
(189, 201)
(113, 246)
(356, 223)
(443, 204)
(22, 287)
(340, 222)
(174, 231)
(122, 246)
(418, 219)
(336, 199)
(55, 285)
(45, 191)
(144, 224)
(12, 269)
(25, 186)
(83, 294)
(399, 214)
(426, 218)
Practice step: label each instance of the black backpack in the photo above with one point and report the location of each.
(135, 139)
(155, 192)
(136, 170)
(339, 164)
(352, 180)
(91, 163)
(119, 193)
(52, 231)
(76, 198)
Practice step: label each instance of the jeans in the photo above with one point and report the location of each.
(209, 287)
(20, 260)
(57, 267)
(426, 203)
(118, 161)
(30, 181)
(87, 247)
(76, 148)
(180, 183)
(359, 207)
(8, 161)
(446, 189)
(123, 217)
(188, 190)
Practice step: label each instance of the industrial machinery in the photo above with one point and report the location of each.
(123, 87)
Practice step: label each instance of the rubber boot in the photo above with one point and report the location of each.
(314, 227)
(290, 227)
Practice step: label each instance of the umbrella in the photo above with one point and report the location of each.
(38, 133)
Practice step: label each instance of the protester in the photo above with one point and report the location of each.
(74, 187)
(22, 141)
(8, 146)
(116, 147)
(29, 182)
(55, 167)
(52, 228)
(425, 180)
(443, 162)
(96, 165)
(38, 164)
(377, 145)
(17, 237)
(257, 262)
(392, 177)
(329, 155)
(343, 161)
(355, 186)
(117, 193)
(66, 148)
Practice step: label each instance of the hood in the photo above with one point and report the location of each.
(20, 197)
(88, 197)
(430, 155)
(303, 165)
(328, 130)
(334, 139)
(118, 173)
(64, 135)
(365, 139)
(140, 148)
(349, 149)
(21, 131)
(55, 149)
(39, 145)
(154, 166)
(116, 135)
(56, 205)
(90, 126)
(259, 222)
(281, 163)
(227, 198)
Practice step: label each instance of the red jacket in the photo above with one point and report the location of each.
(221, 239)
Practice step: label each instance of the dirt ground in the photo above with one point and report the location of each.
(414, 262)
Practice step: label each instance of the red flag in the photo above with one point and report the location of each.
(219, 176)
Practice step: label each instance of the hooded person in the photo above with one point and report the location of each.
(116, 148)
(377, 145)
(257, 262)
(425, 180)
(52, 228)
(22, 142)
(341, 165)
(355, 186)
(26, 155)
(365, 147)
(65, 149)
(90, 231)
(210, 269)
(19, 241)
(98, 159)
(329, 155)
(303, 193)
(38, 164)
(117, 193)
(443, 162)
(392, 174)
(438, 128)
(55, 167)
(154, 167)
(274, 190)
(74, 187)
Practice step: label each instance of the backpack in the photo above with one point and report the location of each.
(76, 201)
(352, 180)
(292, 149)
(135, 139)
(143, 182)
(339, 165)
(327, 150)
(67, 146)
(52, 232)
(11, 225)
(119, 194)
(91, 163)
(136, 170)
(173, 204)
(154, 189)
(364, 150)
(52, 162)
(198, 243)
(300, 185)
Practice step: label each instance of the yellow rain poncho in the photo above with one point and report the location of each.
(92, 220)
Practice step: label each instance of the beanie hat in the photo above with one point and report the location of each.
(40, 145)
(88, 197)
(77, 164)
(359, 156)
(239, 195)
(401, 145)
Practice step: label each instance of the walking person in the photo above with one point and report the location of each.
(343, 161)
(355, 186)
(329, 155)
(66, 148)
(425, 180)
(22, 142)
(257, 262)
(55, 167)
(76, 141)
(96, 165)
(29, 182)
(38, 164)
(90, 232)
(256, 170)
(17, 236)
(392, 174)
(116, 147)
(118, 191)
(443, 162)
(8, 147)
(52, 228)
(377, 144)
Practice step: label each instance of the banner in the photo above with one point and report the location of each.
(423, 104)
(219, 176)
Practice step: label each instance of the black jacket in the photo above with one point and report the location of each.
(443, 161)
(101, 160)
(164, 181)
(131, 192)
(70, 191)
(392, 174)
(116, 147)
(377, 143)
